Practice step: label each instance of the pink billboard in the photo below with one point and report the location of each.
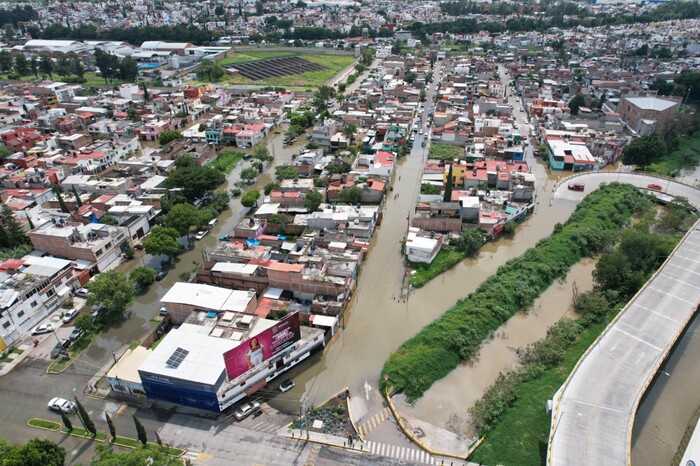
(256, 350)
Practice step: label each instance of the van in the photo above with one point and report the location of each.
(212, 223)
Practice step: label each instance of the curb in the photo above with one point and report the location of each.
(57, 429)
(352, 421)
(321, 442)
(409, 434)
(48, 369)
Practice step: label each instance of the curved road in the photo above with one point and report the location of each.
(594, 411)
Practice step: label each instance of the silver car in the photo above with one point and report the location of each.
(62, 405)
(70, 315)
(245, 410)
(41, 329)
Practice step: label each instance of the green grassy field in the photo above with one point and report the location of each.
(91, 79)
(309, 80)
(440, 151)
(447, 258)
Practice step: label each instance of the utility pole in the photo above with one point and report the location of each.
(303, 414)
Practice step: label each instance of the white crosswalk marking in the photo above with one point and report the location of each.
(414, 455)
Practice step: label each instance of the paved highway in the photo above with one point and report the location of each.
(593, 412)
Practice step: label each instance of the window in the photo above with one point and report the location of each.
(50, 293)
(6, 324)
(20, 314)
(98, 253)
(33, 304)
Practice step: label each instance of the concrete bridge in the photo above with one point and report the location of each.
(593, 412)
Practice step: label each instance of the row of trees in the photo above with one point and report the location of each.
(65, 65)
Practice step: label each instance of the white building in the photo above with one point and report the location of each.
(421, 248)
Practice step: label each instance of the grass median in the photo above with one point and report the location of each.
(44, 424)
(457, 335)
(62, 363)
(448, 257)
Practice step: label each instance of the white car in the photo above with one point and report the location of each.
(286, 385)
(41, 329)
(201, 234)
(83, 292)
(61, 404)
(70, 315)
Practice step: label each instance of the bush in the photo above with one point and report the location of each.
(440, 347)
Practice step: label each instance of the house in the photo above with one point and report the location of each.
(96, 243)
(569, 154)
(33, 287)
(646, 115)
(422, 246)
(185, 298)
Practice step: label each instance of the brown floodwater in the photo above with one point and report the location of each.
(440, 405)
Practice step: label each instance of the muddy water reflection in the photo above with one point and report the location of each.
(447, 401)
(670, 403)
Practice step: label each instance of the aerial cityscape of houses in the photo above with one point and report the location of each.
(132, 132)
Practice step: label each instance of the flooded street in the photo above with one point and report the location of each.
(146, 306)
(440, 406)
(669, 404)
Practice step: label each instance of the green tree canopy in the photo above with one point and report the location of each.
(111, 290)
(142, 277)
(576, 101)
(286, 172)
(250, 198)
(162, 240)
(249, 174)
(106, 456)
(195, 181)
(643, 151)
(351, 195)
(167, 136)
(312, 200)
(35, 452)
(261, 153)
(182, 217)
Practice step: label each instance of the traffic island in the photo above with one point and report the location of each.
(43, 424)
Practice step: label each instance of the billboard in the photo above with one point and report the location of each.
(256, 350)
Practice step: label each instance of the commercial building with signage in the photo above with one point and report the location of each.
(189, 366)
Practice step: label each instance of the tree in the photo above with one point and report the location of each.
(219, 10)
(140, 431)
(21, 64)
(470, 241)
(576, 101)
(35, 452)
(108, 220)
(396, 48)
(286, 172)
(349, 131)
(46, 65)
(15, 233)
(182, 217)
(85, 324)
(269, 187)
(34, 66)
(249, 174)
(208, 70)
(128, 70)
(448, 186)
(63, 65)
(76, 66)
(112, 291)
(162, 240)
(9, 32)
(142, 277)
(85, 418)
(261, 153)
(77, 197)
(195, 181)
(351, 195)
(146, 95)
(66, 421)
(110, 425)
(220, 201)
(250, 198)
(6, 61)
(169, 135)
(312, 200)
(643, 151)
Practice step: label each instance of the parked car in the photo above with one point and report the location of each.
(576, 187)
(201, 234)
(59, 348)
(245, 410)
(41, 329)
(83, 292)
(225, 238)
(96, 314)
(61, 404)
(160, 274)
(70, 315)
(655, 186)
(75, 334)
(163, 311)
(286, 385)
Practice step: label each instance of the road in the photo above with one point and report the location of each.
(594, 411)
